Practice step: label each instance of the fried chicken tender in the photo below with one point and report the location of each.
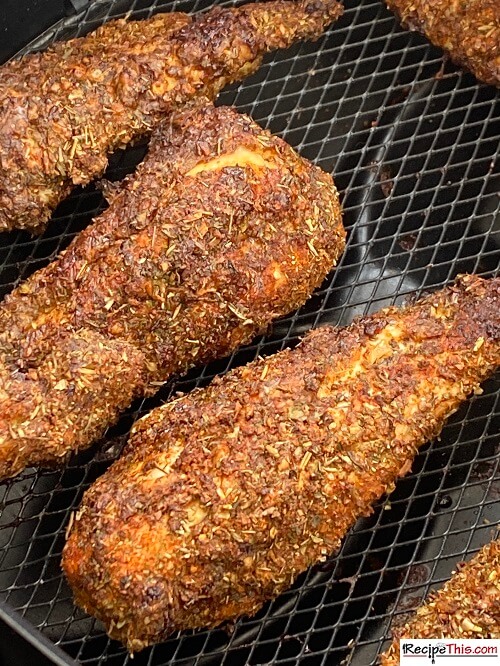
(468, 30)
(63, 111)
(222, 229)
(468, 606)
(224, 496)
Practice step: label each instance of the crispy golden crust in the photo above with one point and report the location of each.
(65, 110)
(222, 229)
(224, 496)
(469, 30)
(468, 606)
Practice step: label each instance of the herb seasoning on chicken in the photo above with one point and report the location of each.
(222, 229)
(65, 110)
(469, 30)
(225, 495)
(468, 606)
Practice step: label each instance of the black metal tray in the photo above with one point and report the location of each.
(413, 144)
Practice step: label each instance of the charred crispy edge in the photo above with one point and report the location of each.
(467, 582)
(306, 20)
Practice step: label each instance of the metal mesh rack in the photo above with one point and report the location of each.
(413, 144)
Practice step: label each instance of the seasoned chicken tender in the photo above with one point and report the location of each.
(63, 111)
(468, 605)
(468, 30)
(222, 229)
(224, 496)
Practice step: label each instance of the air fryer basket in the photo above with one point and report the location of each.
(413, 144)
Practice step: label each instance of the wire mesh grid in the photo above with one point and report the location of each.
(413, 144)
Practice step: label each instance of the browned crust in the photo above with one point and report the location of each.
(469, 30)
(467, 606)
(224, 496)
(63, 111)
(191, 259)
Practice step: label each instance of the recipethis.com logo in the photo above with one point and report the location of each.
(449, 652)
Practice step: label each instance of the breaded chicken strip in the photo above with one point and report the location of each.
(468, 30)
(63, 111)
(224, 496)
(222, 229)
(468, 605)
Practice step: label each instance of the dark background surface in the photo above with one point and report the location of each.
(15, 651)
(22, 20)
